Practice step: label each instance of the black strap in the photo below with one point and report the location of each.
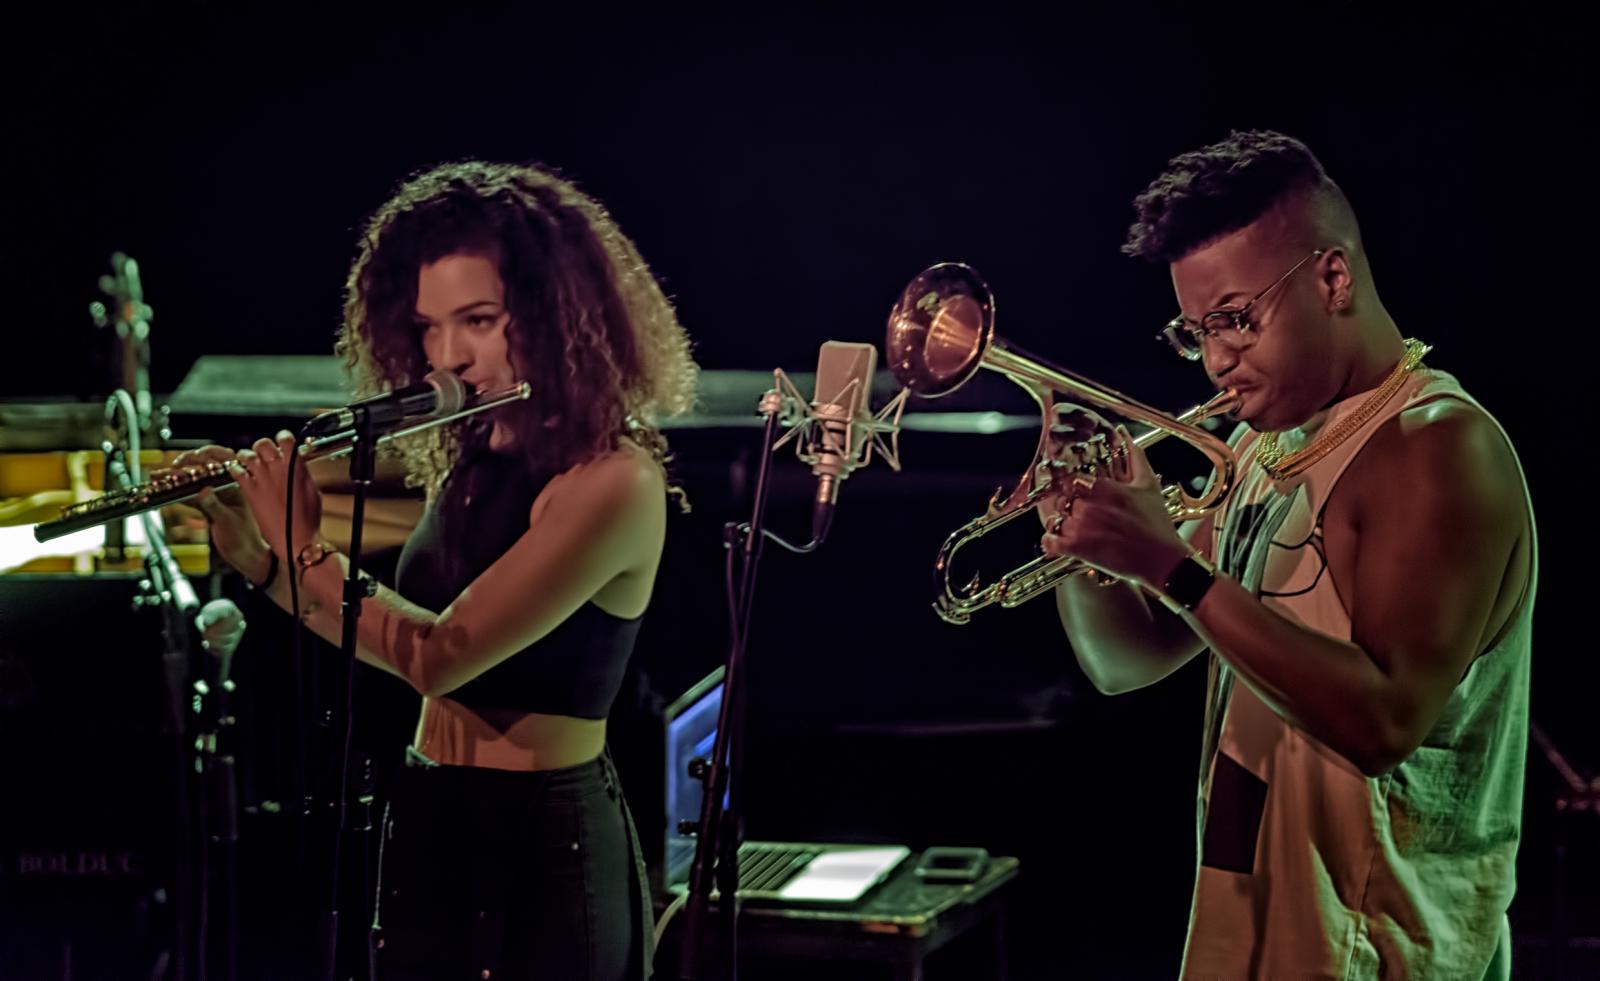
(1189, 583)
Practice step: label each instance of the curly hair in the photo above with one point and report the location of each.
(590, 327)
(1207, 193)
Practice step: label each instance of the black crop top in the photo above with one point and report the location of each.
(577, 668)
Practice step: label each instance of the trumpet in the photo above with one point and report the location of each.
(940, 332)
(182, 483)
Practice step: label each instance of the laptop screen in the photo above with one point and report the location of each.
(691, 724)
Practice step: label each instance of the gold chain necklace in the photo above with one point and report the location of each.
(1281, 467)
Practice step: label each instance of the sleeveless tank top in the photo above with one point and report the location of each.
(576, 669)
(1308, 868)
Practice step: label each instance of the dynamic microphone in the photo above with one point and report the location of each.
(843, 430)
(221, 626)
(440, 393)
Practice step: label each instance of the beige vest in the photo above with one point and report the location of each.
(1309, 869)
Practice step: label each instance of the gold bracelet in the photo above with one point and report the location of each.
(313, 553)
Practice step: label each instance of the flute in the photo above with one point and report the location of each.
(182, 483)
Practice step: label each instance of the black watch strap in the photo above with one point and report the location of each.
(1189, 582)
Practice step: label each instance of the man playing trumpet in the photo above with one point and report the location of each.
(1366, 593)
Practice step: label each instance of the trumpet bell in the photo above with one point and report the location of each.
(939, 329)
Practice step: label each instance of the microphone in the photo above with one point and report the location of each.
(842, 437)
(440, 393)
(221, 626)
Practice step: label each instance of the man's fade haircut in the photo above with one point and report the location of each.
(1208, 193)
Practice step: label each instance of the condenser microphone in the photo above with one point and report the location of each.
(843, 423)
(441, 393)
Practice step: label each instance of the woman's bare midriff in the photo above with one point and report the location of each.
(499, 739)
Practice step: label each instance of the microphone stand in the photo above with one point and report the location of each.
(219, 797)
(165, 586)
(720, 829)
(357, 587)
(360, 439)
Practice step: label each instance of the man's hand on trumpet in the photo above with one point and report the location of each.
(1112, 516)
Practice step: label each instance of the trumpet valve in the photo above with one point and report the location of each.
(1086, 444)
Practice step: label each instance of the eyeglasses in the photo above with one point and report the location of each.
(1229, 328)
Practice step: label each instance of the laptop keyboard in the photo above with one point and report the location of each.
(763, 868)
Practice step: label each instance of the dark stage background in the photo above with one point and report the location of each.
(786, 172)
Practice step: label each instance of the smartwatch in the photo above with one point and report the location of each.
(1188, 584)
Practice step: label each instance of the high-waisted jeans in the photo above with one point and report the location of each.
(491, 874)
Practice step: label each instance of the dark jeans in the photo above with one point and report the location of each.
(496, 874)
